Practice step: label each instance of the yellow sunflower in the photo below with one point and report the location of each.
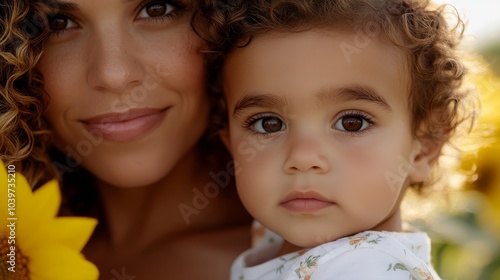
(483, 164)
(35, 244)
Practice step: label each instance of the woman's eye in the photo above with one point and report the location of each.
(60, 22)
(352, 123)
(156, 9)
(268, 125)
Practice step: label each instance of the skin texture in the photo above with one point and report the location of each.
(304, 90)
(112, 57)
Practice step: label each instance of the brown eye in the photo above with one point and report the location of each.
(58, 22)
(268, 125)
(156, 9)
(352, 123)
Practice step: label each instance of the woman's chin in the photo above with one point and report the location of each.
(130, 175)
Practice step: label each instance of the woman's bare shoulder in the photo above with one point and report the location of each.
(198, 255)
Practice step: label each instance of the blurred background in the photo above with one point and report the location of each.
(465, 230)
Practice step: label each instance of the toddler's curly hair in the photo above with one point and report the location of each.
(438, 100)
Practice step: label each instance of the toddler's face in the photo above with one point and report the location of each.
(320, 131)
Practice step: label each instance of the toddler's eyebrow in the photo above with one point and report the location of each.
(349, 93)
(325, 96)
(260, 100)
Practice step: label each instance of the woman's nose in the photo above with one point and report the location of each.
(114, 66)
(305, 156)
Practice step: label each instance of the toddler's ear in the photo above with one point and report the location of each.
(225, 138)
(423, 157)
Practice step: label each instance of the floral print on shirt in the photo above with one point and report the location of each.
(369, 238)
(306, 268)
(407, 255)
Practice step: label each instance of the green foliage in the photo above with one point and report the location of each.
(464, 246)
(491, 53)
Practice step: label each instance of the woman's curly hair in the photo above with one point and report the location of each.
(438, 100)
(24, 138)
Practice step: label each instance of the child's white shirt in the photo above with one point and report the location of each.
(366, 255)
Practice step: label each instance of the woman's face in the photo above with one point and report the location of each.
(126, 87)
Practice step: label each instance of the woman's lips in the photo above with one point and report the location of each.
(305, 202)
(127, 126)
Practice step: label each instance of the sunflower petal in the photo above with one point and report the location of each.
(73, 232)
(35, 211)
(56, 262)
(22, 195)
(3, 195)
(51, 244)
(3, 172)
(24, 198)
(47, 199)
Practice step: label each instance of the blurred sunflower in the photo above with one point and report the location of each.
(466, 237)
(34, 242)
(483, 167)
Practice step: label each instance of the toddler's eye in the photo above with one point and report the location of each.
(268, 125)
(352, 123)
(60, 22)
(156, 9)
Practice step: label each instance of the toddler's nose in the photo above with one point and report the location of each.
(305, 156)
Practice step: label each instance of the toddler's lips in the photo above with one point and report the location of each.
(305, 202)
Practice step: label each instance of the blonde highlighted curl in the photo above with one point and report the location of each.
(439, 101)
(24, 138)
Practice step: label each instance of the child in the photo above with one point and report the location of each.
(334, 109)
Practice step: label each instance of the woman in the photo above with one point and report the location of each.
(118, 95)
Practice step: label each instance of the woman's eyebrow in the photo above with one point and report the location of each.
(60, 5)
(259, 100)
(351, 93)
